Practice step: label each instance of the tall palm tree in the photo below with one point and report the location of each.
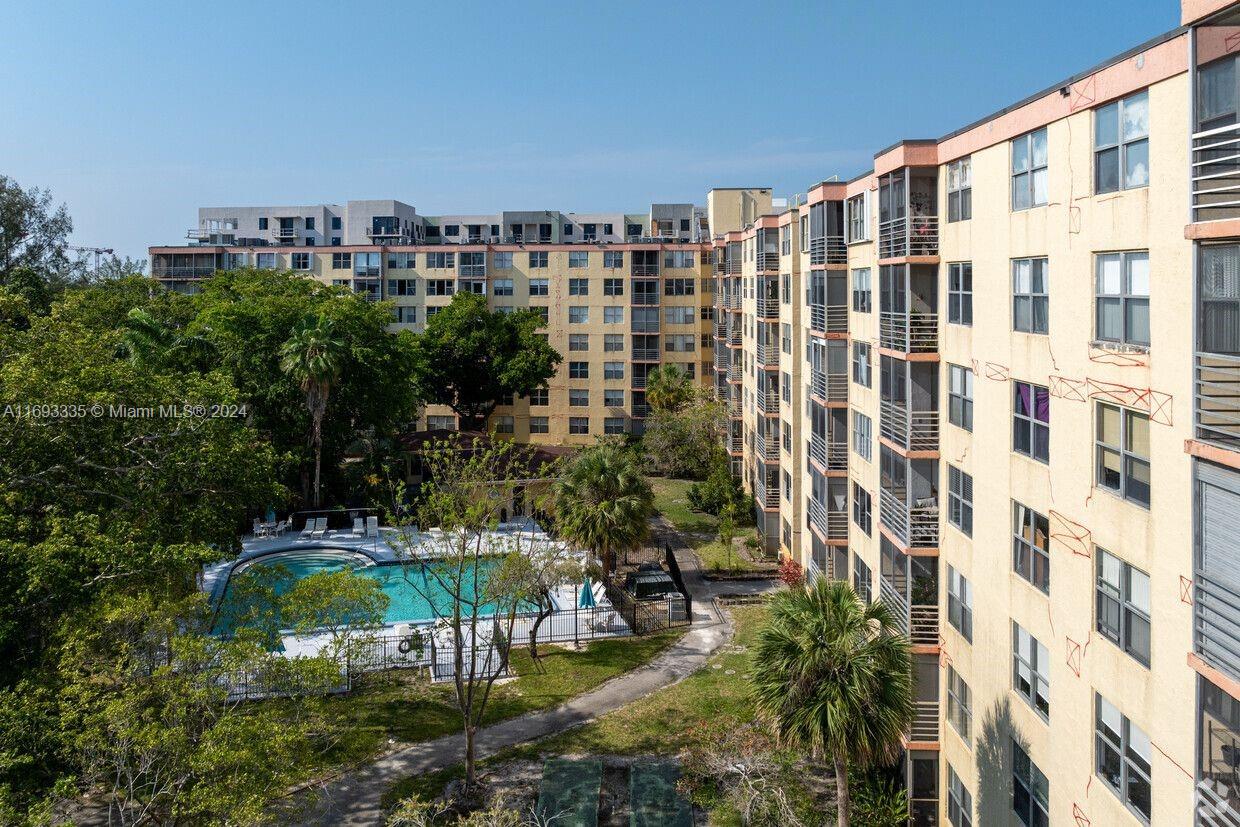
(313, 357)
(834, 675)
(146, 341)
(604, 503)
(668, 388)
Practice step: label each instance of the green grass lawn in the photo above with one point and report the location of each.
(671, 498)
(715, 558)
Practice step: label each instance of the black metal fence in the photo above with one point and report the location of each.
(673, 569)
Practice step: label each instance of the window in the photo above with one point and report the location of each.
(578, 287)
(452, 230)
(613, 425)
(578, 259)
(613, 370)
(342, 261)
(539, 287)
(959, 801)
(440, 287)
(960, 293)
(1031, 421)
(862, 435)
(502, 261)
(678, 287)
(266, 261)
(540, 312)
(861, 295)
(440, 260)
(441, 423)
(682, 259)
(578, 315)
(862, 579)
(960, 190)
(1123, 594)
(634, 230)
(960, 396)
(1122, 144)
(861, 364)
(613, 342)
(579, 425)
(1123, 451)
(1029, 175)
(1031, 665)
(539, 425)
(301, 261)
(578, 370)
(578, 398)
(402, 287)
(336, 241)
(402, 261)
(262, 223)
(858, 218)
(1122, 756)
(335, 222)
(679, 315)
(960, 603)
(680, 343)
(1030, 302)
(503, 424)
(959, 705)
(405, 315)
(786, 431)
(1031, 792)
(613, 259)
(1031, 555)
(960, 499)
(539, 397)
(613, 287)
(502, 287)
(785, 338)
(578, 341)
(614, 397)
(1123, 298)
(862, 506)
(538, 261)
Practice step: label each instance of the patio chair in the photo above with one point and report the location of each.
(320, 527)
(280, 528)
(308, 531)
(372, 526)
(258, 528)
(358, 527)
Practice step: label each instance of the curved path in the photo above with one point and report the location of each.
(354, 798)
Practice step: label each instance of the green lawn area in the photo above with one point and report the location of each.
(714, 557)
(671, 498)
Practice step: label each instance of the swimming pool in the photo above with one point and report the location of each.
(414, 594)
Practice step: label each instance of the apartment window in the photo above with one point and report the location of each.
(440, 261)
(862, 506)
(858, 218)
(578, 259)
(578, 370)
(401, 261)
(960, 603)
(579, 425)
(405, 315)
(336, 241)
(1123, 594)
(861, 364)
(440, 287)
(539, 397)
(441, 423)
(862, 435)
(452, 230)
(1030, 302)
(613, 370)
(613, 425)
(578, 341)
(613, 342)
(262, 223)
(1031, 665)
(578, 315)
(1123, 451)
(578, 398)
(335, 222)
(501, 261)
(539, 287)
(678, 287)
(862, 579)
(1122, 756)
(960, 190)
(787, 479)
(589, 232)
(613, 315)
(1123, 298)
(538, 261)
(959, 801)
(614, 397)
(960, 293)
(1031, 792)
(1031, 554)
(861, 295)
(613, 287)
(679, 315)
(959, 705)
(785, 338)
(1122, 144)
(342, 261)
(502, 287)
(633, 230)
(503, 424)
(578, 287)
(613, 260)
(1031, 421)
(402, 287)
(539, 425)
(266, 261)
(301, 261)
(786, 432)
(960, 396)
(431, 312)
(1029, 174)
(960, 499)
(680, 343)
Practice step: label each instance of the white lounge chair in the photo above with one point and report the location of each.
(358, 527)
(372, 526)
(308, 531)
(320, 527)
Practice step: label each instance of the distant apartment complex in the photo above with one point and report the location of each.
(995, 382)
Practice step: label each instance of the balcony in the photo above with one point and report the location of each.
(641, 410)
(1217, 399)
(833, 456)
(916, 332)
(765, 491)
(175, 272)
(1215, 173)
(639, 382)
(767, 308)
(912, 235)
(471, 271)
(767, 354)
(734, 335)
(828, 250)
(829, 387)
(768, 401)
(925, 726)
(283, 234)
(645, 354)
(766, 447)
(768, 261)
(831, 524)
(828, 318)
(736, 444)
(915, 525)
(911, 430)
(734, 372)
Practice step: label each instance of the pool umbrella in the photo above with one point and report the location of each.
(587, 595)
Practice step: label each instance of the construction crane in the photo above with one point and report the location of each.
(97, 251)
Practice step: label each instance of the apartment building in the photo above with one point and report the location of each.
(995, 385)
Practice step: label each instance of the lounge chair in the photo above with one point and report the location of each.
(308, 531)
(320, 527)
(372, 526)
(358, 527)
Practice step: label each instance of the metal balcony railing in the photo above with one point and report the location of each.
(767, 354)
(767, 261)
(734, 300)
(645, 354)
(644, 270)
(830, 387)
(734, 335)
(828, 250)
(639, 382)
(641, 410)
(916, 332)
(766, 493)
(1216, 399)
(925, 722)
(766, 447)
(721, 330)
(828, 318)
(734, 372)
(923, 624)
(471, 271)
(895, 601)
(736, 444)
(767, 308)
(911, 430)
(916, 525)
(913, 235)
(1214, 175)
(168, 272)
(831, 524)
(733, 267)
(833, 456)
(768, 401)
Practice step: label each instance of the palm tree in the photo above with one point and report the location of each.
(603, 503)
(146, 341)
(834, 675)
(313, 357)
(668, 388)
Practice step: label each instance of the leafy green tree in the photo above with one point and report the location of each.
(604, 503)
(313, 357)
(833, 675)
(33, 232)
(469, 357)
(721, 492)
(145, 340)
(685, 442)
(668, 389)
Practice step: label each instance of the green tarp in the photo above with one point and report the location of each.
(653, 798)
(570, 792)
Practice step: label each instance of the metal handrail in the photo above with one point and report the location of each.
(911, 430)
(767, 308)
(913, 526)
(645, 354)
(1214, 173)
(767, 261)
(911, 332)
(924, 624)
(828, 318)
(925, 721)
(767, 354)
(1216, 397)
(911, 235)
(768, 401)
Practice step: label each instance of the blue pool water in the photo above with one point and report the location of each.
(414, 594)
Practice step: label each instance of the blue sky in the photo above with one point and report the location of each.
(135, 114)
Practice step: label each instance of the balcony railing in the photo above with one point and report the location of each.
(909, 332)
(925, 722)
(768, 401)
(733, 267)
(767, 308)
(832, 524)
(767, 354)
(768, 262)
(911, 430)
(828, 250)
(721, 330)
(733, 301)
(830, 387)
(159, 272)
(734, 335)
(471, 271)
(1215, 173)
(1216, 623)
(1217, 399)
(734, 372)
(913, 235)
(639, 381)
(828, 318)
(283, 234)
(916, 525)
(736, 444)
(895, 601)
(641, 410)
(644, 270)
(833, 456)
(923, 624)
(645, 354)
(766, 447)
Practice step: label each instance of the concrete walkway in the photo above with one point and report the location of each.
(353, 798)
